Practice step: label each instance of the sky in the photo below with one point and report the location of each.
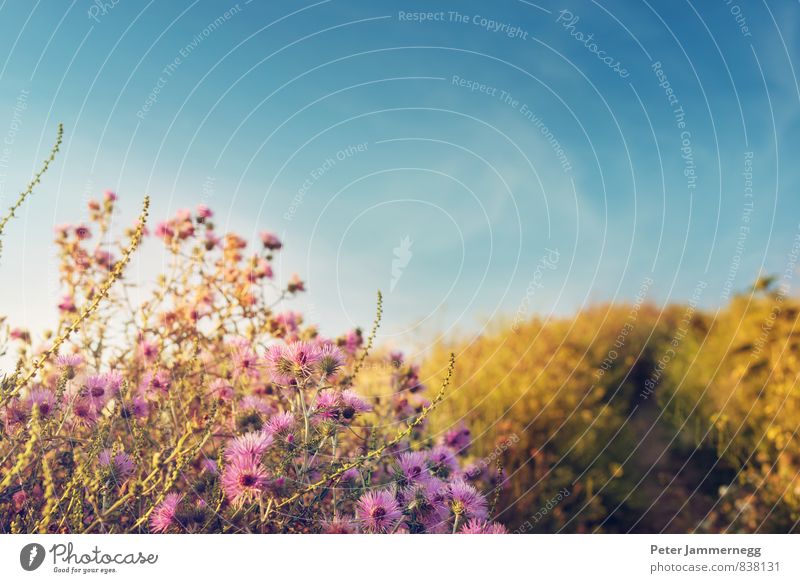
(476, 161)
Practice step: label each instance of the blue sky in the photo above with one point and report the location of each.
(487, 136)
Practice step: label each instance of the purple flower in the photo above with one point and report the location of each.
(351, 400)
(84, 412)
(458, 439)
(45, 399)
(411, 469)
(95, 390)
(119, 466)
(163, 515)
(68, 363)
(378, 512)
(113, 381)
(465, 501)
(442, 462)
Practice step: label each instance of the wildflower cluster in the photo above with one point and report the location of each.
(199, 404)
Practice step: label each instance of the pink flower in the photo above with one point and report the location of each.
(256, 404)
(338, 525)
(303, 357)
(280, 367)
(271, 241)
(82, 232)
(95, 391)
(480, 526)
(67, 304)
(19, 334)
(280, 423)
(245, 360)
(252, 445)
(243, 480)
(204, 212)
(163, 515)
(221, 389)
(296, 284)
(158, 382)
(148, 350)
(331, 360)
(109, 196)
(378, 512)
(164, 231)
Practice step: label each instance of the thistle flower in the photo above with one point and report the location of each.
(252, 444)
(137, 407)
(331, 360)
(119, 466)
(155, 383)
(16, 413)
(256, 404)
(295, 284)
(442, 462)
(458, 438)
(427, 506)
(245, 360)
(67, 361)
(353, 404)
(303, 357)
(243, 480)
(19, 334)
(84, 412)
(378, 512)
(480, 526)
(67, 304)
(280, 423)
(465, 501)
(95, 391)
(113, 380)
(338, 525)
(43, 398)
(289, 320)
(411, 469)
(280, 367)
(203, 212)
(82, 232)
(351, 341)
(270, 241)
(148, 351)
(221, 389)
(163, 515)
